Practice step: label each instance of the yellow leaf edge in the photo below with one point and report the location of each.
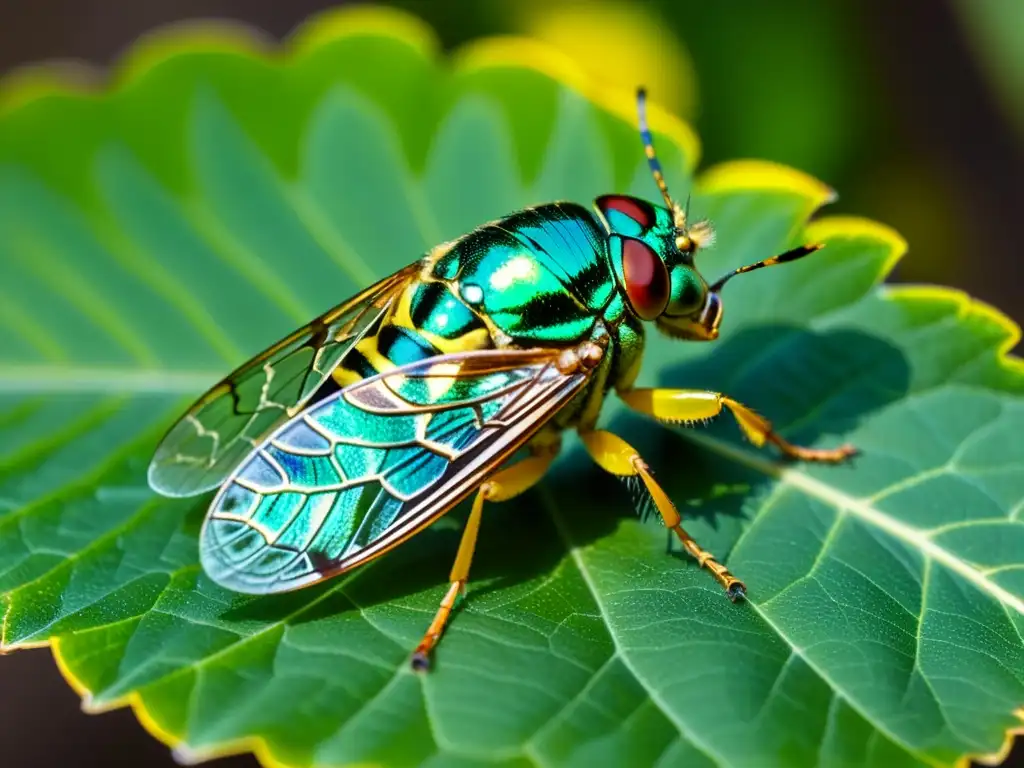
(739, 176)
(34, 82)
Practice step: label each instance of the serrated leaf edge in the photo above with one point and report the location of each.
(32, 82)
(761, 175)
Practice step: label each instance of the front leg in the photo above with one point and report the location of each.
(689, 405)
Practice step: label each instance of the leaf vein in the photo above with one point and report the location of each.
(859, 508)
(655, 695)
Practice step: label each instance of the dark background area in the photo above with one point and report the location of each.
(902, 107)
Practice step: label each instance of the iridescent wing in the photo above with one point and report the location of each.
(372, 464)
(226, 423)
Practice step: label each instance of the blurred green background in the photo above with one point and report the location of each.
(913, 111)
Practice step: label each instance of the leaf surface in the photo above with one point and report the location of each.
(215, 196)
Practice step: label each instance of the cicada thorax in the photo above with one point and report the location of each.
(537, 277)
(505, 336)
(542, 277)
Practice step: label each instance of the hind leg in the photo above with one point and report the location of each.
(503, 485)
(615, 455)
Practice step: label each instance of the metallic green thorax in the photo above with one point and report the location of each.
(544, 276)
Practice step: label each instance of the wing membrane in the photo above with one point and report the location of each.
(228, 421)
(372, 464)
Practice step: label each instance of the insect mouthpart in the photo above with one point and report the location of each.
(700, 326)
(711, 315)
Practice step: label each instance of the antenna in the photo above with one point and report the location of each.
(648, 140)
(782, 258)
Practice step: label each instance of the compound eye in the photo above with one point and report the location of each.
(646, 279)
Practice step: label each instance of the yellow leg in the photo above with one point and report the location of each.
(688, 405)
(615, 455)
(503, 485)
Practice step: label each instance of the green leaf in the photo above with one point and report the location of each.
(215, 195)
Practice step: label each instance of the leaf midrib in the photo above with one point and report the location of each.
(862, 510)
(40, 379)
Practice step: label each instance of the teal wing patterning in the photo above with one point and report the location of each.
(371, 464)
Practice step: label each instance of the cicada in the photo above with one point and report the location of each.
(455, 376)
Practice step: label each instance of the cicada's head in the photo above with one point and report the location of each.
(652, 250)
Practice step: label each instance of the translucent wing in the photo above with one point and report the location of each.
(226, 423)
(374, 463)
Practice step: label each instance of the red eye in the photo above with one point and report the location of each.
(639, 211)
(646, 278)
